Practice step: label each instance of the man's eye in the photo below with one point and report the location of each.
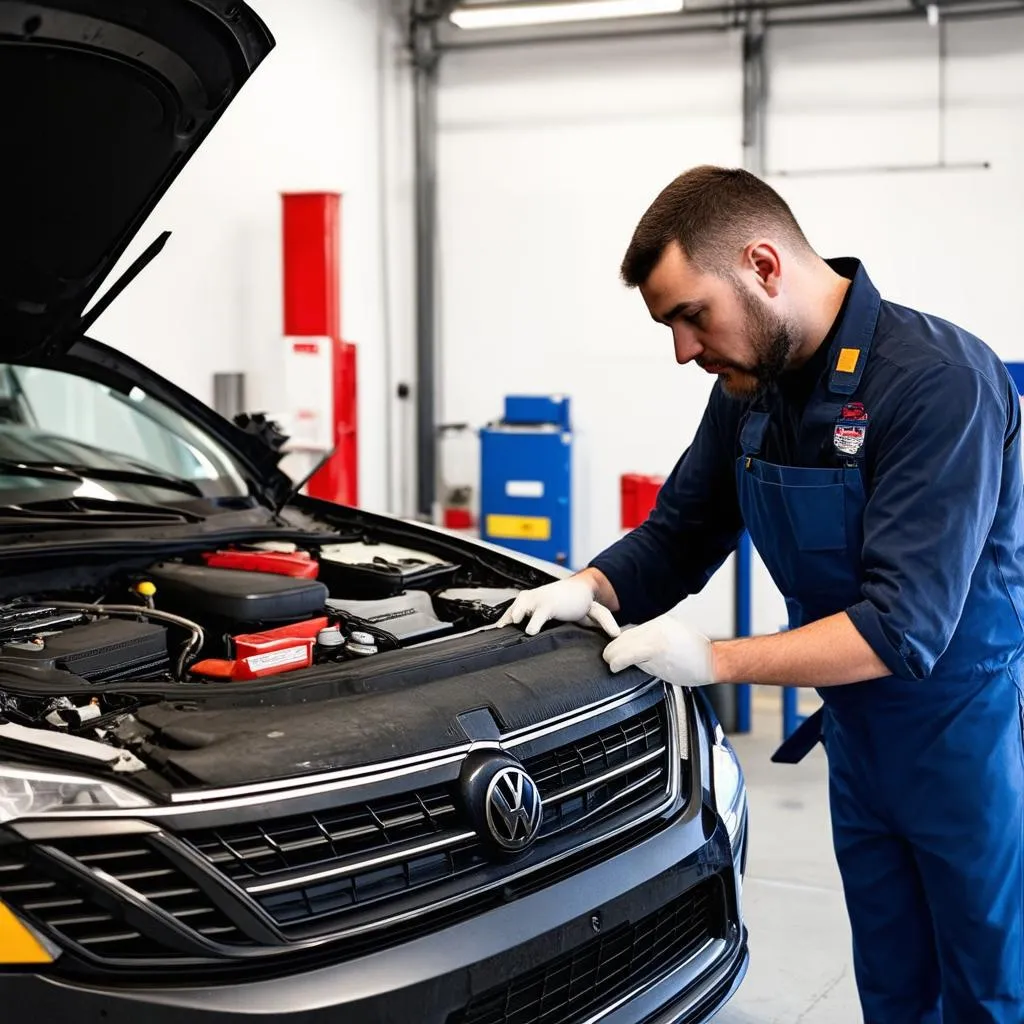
(694, 318)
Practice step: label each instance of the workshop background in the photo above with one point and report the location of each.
(897, 138)
(894, 128)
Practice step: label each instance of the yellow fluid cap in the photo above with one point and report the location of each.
(17, 944)
(145, 588)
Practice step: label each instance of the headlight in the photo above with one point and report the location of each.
(730, 792)
(25, 792)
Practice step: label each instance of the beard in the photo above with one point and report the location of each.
(772, 340)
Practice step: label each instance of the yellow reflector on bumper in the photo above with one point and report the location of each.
(519, 527)
(17, 944)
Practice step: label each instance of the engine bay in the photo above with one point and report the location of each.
(237, 614)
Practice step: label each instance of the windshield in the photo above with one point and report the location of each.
(50, 418)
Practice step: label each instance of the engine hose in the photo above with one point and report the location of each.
(190, 649)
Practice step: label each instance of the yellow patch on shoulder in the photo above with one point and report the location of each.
(847, 361)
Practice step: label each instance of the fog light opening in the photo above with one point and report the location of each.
(19, 944)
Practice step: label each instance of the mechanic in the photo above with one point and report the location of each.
(873, 453)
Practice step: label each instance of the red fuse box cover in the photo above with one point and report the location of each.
(269, 653)
(276, 650)
(298, 564)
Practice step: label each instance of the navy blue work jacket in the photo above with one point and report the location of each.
(942, 468)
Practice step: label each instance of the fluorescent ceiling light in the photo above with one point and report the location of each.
(508, 15)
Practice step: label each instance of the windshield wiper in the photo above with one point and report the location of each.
(92, 512)
(80, 470)
(77, 472)
(39, 471)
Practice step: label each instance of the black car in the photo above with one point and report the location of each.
(265, 754)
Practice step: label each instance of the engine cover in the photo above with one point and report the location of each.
(366, 571)
(104, 650)
(232, 596)
(410, 617)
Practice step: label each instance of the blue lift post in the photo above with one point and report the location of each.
(1017, 373)
(744, 584)
(791, 716)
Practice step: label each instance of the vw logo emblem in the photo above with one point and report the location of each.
(513, 809)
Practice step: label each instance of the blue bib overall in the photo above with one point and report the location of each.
(926, 777)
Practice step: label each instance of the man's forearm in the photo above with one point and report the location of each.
(604, 592)
(829, 652)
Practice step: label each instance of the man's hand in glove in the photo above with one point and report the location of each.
(570, 600)
(665, 647)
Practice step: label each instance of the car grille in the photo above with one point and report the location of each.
(75, 911)
(314, 868)
(350, 856)
(604, 773)
(307, 875)
(606, 968)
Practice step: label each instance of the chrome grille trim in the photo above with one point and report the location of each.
(518, 737)
(368, 863)
(618, 798)
(600, 780)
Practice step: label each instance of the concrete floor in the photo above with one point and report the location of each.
(801, 969)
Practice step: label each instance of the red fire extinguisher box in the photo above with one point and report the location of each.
(638, 496)
(311, 228)
(310, 233)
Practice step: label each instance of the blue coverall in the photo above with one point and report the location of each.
(884, 478)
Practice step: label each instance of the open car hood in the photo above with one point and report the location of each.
(108, 99)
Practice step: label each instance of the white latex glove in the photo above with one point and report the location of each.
(568, 600)
(665, 647)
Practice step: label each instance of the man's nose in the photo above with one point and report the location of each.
(686, 344)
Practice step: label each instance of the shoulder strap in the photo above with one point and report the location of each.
(752, 434)
(849, 353)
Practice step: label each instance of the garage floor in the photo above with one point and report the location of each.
(801, 968)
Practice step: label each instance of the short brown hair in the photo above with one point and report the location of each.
(713, 213)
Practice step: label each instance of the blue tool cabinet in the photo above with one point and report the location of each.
(526, 478)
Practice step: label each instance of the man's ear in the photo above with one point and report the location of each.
(764, 262)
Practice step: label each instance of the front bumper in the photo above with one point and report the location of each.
(434, 979)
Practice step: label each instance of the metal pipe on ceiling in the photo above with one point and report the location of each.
(978, 13)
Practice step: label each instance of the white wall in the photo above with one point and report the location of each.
(309, 119)
(548, 156)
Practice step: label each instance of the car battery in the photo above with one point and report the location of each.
(526, 478)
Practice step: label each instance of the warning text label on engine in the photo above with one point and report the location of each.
(275, 659)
